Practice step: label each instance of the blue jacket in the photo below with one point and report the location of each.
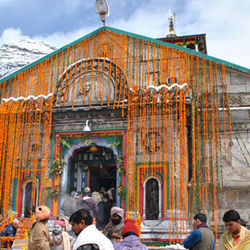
(193, 239)
(202, 239)
(9, 230)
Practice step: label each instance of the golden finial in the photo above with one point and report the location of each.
(171, 24)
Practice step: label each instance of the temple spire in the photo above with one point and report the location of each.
(171, 24)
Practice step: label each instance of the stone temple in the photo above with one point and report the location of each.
(157, 122)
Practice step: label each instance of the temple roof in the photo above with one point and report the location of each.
(145, 38)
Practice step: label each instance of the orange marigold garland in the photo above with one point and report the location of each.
(12, 118)
(143, 63)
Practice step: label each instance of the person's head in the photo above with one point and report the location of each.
(116, 215)
(199, 219)
(97, 197)
(16, 223)
(74, 194)
(59, 226)
(86, 192)
(104, 197)
(80, 220)
(42, 213)
(129, 228)
(232, 221)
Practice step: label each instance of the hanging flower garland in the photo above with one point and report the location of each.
(151, 114)
(58, 166)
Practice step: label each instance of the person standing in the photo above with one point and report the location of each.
(69, 205)
(114, 228)
(88, 203)
(201, 238)
(88, 237)
(237, 236)
(103, 212)
(39, 238)
(130, 237)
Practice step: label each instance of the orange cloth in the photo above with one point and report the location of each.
(236, 238)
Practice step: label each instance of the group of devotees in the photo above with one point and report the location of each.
(82, 226)
(80, 232)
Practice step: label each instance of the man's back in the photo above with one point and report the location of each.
(200, 239)
(89, 204)
(90, 235)
(69, 206)
(207, 240)
(130, 242)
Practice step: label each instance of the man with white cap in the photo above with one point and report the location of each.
(39, 235)
(113, 229)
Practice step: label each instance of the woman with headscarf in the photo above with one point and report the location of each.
(39, 238)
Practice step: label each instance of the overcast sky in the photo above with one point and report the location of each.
(58, 22)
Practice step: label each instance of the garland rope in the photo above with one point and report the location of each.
(114, 70)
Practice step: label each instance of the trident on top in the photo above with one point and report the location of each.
(171, 24)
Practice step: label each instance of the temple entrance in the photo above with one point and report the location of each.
(93, 166)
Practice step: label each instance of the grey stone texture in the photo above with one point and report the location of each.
(234, 192)
(233, 182)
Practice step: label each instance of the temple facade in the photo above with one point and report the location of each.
(166, 128)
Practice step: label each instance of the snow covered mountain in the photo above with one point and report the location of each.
(17, 54)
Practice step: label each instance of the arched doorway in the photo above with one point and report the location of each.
(30, 197)
(93, 166)
(87, 167)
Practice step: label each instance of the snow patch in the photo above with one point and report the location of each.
(26, 98)
(15, 55)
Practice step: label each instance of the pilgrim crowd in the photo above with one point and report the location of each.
(91, 221)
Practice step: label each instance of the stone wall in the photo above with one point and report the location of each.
(233, 182)
(235, 190)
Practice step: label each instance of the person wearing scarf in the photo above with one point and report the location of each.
(237, 236)
(88, 236)
(114, 228)
(130, 237)
(201, 238)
